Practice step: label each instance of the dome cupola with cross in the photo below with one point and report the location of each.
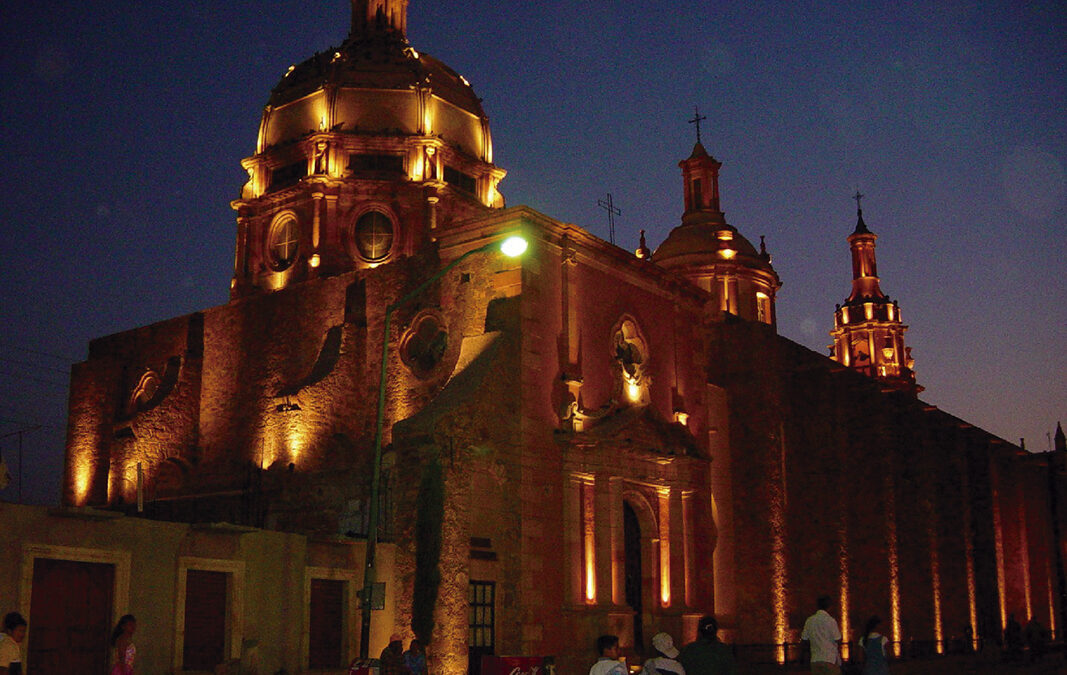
(712, 253)
(364, 152)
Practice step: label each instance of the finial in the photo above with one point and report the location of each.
(697, 117)
(861, 227)
(642, 248)
(379, 16)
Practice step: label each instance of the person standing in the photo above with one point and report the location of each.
(873, 645)
(392, 658)
(607, 647)
(824, 636)
(415, 658)
(708, 655)
(122, 642)
(10, 651)
(665, 663)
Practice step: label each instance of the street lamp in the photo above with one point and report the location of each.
(512, 247)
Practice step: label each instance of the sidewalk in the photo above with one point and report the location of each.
(946, 665)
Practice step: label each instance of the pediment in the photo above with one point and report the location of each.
(639, 428)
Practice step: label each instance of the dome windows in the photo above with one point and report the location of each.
(283, 242)
(373, 236)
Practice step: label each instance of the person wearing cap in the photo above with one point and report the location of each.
(607, 646)
(824, 636)
(708, 655)
(392, 659)
(665, 663)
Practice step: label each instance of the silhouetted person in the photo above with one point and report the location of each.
(392, 658)
(122, 643)
(874, 644)
(1013, 639)
(1036, 640)
(708, 655)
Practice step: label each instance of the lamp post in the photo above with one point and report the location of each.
(512, 247)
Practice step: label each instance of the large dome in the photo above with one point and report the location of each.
(376, 83)
(378, 61)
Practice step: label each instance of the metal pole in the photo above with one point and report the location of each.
(376, 476)
(20, 466)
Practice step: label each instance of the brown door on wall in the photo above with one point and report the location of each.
(70, 617)
(205, 620)
(326, 627)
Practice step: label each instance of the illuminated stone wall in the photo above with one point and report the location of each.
(888, 505)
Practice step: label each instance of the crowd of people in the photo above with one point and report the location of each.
(821, 636)
(707, 655)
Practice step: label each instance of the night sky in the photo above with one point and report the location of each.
(122, 127)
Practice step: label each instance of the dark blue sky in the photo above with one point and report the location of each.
(122, 126)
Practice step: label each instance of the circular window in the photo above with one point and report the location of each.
(374, 235)
(283, 242)
(424, 344)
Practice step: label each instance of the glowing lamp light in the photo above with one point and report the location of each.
(314, 261)
(633, 391)
(681, 417)
(887, 352)
(727, 253)
(514, 246)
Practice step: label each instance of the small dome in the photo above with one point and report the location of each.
(700, 244)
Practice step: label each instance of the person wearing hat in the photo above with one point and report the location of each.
(665, 663)
(708, 655)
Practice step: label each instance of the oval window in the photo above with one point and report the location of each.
(284, 242)
(374, 235)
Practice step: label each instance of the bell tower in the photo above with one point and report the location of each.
(868, 330)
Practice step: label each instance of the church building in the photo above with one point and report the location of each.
(576, 441)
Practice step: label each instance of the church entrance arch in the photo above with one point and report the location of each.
(639, 563)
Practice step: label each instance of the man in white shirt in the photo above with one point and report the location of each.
(607, 646)
(821, 631)
(10, 652)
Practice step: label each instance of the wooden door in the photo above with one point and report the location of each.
(205, 620)
(70, 617)
(326, 626)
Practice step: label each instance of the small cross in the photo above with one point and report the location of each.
(697, 117)
(612, 212)
(858, 197)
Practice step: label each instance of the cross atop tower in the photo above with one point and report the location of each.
(858, 197)
(697, 118)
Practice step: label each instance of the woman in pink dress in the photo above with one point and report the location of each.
(122, 641)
